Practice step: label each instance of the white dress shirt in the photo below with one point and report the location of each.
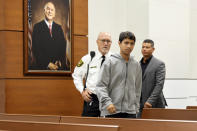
(80, 71)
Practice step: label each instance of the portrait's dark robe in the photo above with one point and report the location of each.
(47, 48)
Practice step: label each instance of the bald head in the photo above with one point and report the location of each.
(101, 34)
(104, 42)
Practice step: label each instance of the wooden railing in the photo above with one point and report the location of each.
(69, 123)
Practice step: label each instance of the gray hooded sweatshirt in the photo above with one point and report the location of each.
(119, 83)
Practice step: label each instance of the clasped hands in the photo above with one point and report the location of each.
(54, 66)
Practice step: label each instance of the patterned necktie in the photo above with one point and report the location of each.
(50, 29)
(103, 59)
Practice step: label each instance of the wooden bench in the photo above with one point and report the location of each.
(70, 123)
(26, 117)
(169, 114)
(9, 125)
(191, 107)
(136, 124)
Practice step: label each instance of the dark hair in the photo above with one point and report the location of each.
(149, 41)
(126, 35)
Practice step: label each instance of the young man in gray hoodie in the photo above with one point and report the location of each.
(119, 83)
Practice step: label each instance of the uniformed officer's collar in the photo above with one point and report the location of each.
(98, 53)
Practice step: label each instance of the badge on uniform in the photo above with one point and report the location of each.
(80, 63)
(93, 67)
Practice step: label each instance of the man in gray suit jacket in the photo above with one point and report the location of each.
(153, 77)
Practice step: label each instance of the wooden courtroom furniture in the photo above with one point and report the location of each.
(25, 117)
(35, 122)
(169, 114)
(191, 107)
(136, 124)
(71, 123)
(37, 94)
(46, 126)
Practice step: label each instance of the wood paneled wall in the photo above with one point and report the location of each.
(22, 94)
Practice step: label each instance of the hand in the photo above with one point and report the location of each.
(58, 63)
(147, 105)
(52, 66)
(86, 95)
(111, 109)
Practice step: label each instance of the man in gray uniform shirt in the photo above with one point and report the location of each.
(119, 83)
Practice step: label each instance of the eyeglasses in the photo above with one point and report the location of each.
(104, 40)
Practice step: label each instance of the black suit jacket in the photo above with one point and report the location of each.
(48, 49)
(152, 84)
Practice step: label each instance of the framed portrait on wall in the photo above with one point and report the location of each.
(47, 37)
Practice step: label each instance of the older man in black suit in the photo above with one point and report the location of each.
(48, 42)
(153, 77)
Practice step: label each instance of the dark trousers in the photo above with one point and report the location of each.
(91, 109)
(122, 115)
(139, 115)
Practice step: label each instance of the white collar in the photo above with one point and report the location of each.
(98, 53)
(48, 23)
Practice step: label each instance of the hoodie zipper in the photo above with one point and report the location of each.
(124, 86)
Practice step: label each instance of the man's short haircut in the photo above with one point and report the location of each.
(45, 6)
(126, 35)
(149, 41)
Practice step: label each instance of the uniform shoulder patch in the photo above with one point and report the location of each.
(80, 63)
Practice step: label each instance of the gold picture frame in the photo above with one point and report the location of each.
(47, 53)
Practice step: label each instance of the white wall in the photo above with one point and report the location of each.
(169, 27)
(106, 16)
(115, 16)
(180, 93)
(193, 40)
(137, 22)
(170, 23)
